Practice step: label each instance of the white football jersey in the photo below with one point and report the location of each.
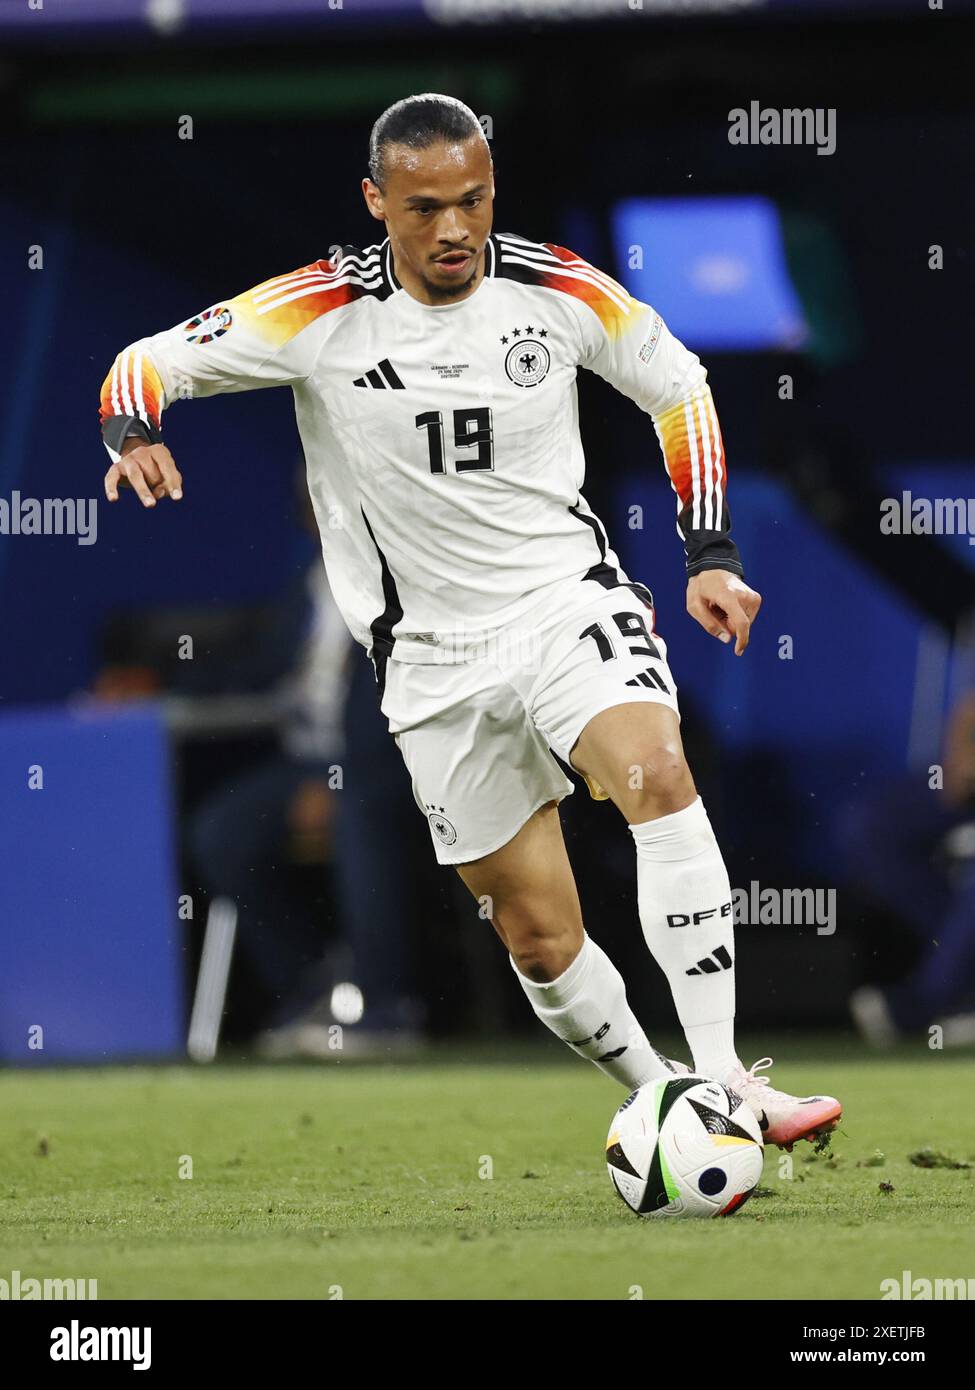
(442, 441)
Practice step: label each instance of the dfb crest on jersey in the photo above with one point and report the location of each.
(527, 360)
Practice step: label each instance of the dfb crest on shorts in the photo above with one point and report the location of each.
(441, 826)
(528, 359)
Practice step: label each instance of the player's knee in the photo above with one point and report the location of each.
(542, 965)
(659, 780)
(543, 953)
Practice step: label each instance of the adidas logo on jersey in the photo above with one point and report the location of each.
(382, 376)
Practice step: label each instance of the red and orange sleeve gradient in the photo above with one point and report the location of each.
(609, 301)
(693, 450)
(263, 320)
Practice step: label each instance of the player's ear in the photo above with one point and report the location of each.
(375, 202)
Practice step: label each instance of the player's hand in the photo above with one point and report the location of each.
(724, 606)
(148, 469)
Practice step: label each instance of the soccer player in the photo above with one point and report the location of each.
(434, 385)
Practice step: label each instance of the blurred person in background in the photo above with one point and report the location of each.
(911, 849)
(317, 800)
(320, 799)
(256, 823)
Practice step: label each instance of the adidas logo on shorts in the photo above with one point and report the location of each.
(651, 678)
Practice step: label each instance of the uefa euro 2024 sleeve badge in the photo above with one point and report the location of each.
(212, 323)
(527, 358)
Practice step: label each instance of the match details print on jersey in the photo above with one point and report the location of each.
(442, 441)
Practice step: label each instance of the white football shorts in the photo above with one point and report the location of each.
(476, 735)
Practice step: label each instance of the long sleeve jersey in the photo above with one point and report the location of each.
(442, 441)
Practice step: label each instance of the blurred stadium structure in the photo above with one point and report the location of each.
(838, 356)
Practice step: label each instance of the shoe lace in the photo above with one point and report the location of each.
(750, 1074)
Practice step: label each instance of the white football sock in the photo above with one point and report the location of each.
(713, 1048)
(687, 916)
(586, 1007)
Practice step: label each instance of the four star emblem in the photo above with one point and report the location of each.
(530, 330)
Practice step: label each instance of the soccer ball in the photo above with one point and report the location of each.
(686, 1147)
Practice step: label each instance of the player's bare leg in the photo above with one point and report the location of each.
(531, 896)
(528, 891)
(634, 753)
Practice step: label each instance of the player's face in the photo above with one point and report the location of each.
(437, 206)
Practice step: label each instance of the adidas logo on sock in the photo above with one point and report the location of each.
(650, 677)
(382, 376)
(707, 966)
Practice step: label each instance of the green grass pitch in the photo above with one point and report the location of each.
(365, 1181)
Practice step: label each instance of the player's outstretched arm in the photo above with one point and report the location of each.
(268, 336)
